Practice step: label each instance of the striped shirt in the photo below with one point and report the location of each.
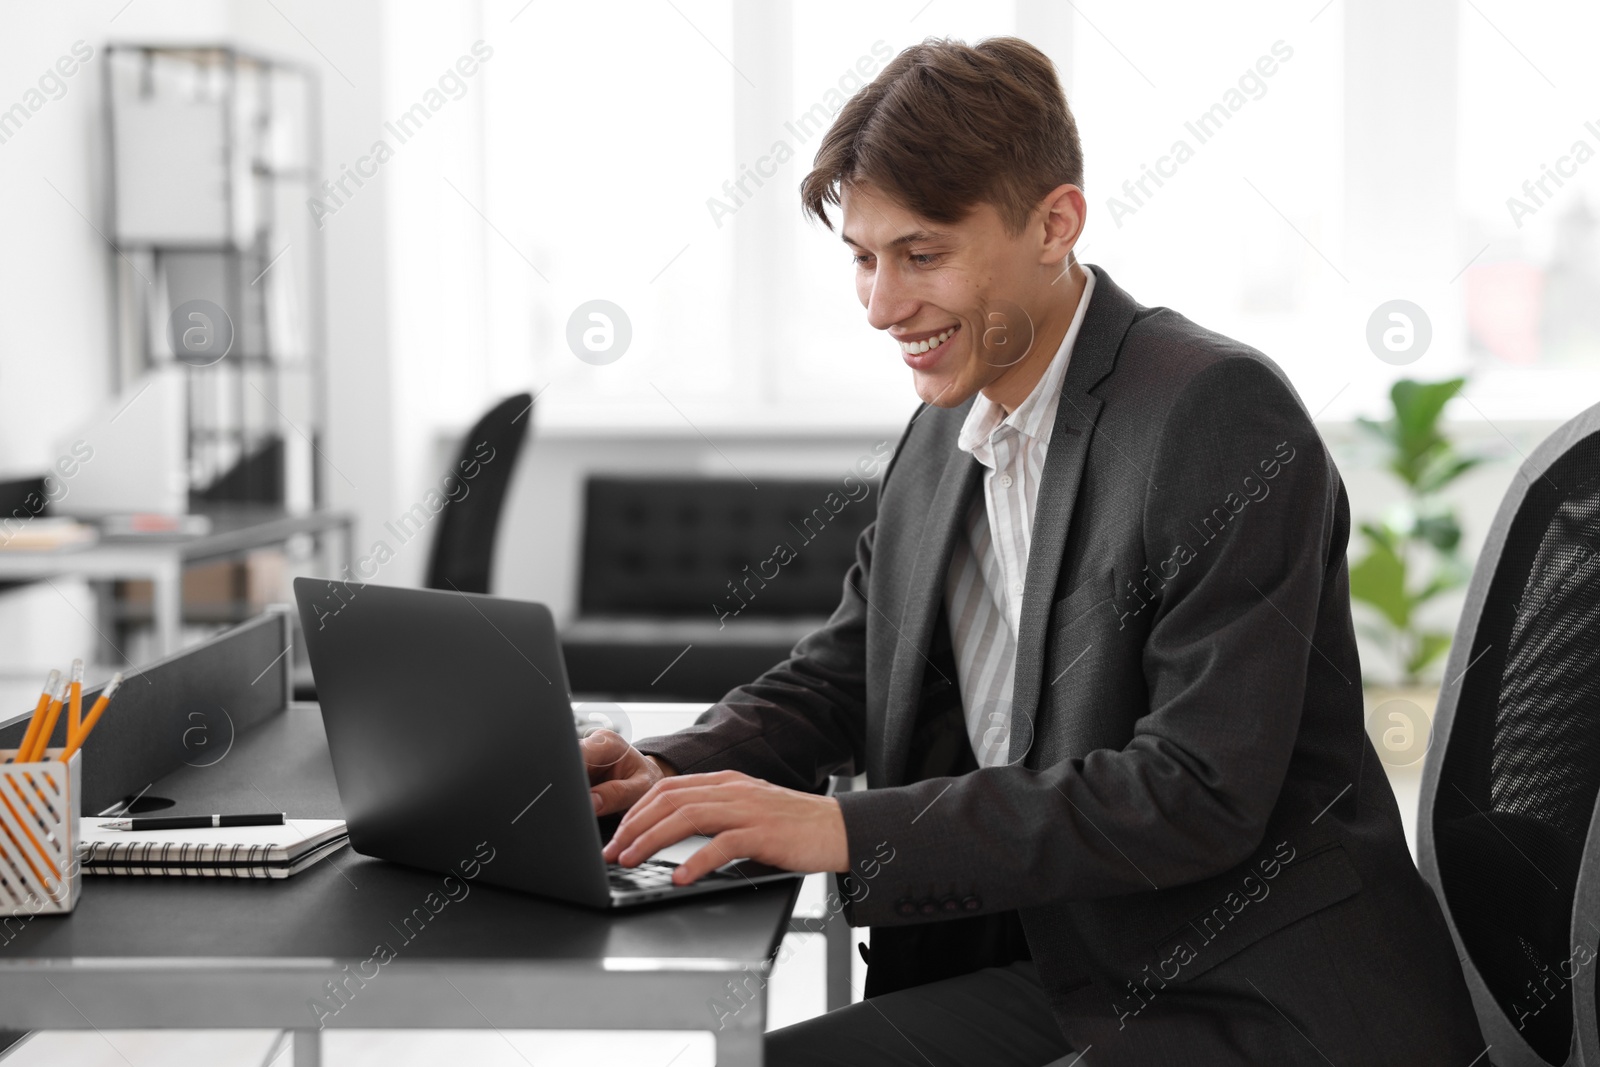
(983, 589)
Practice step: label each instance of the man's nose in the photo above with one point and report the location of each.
(888, 302)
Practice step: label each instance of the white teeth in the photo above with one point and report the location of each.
(916, 348)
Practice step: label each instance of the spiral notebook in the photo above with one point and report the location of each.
(231, 852)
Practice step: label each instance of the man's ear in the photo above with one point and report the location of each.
(1063, 212)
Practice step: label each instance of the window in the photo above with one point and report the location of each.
(742, 314)
(1236, 170)
(1528, 194)
(599, 193)
(1213, 169)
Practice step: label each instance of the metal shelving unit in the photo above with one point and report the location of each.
(211, 155)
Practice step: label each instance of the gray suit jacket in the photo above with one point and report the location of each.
(1204, 852)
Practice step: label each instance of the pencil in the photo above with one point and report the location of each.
(76, 742)
(75, 698)
(26, 743)
(47, 726)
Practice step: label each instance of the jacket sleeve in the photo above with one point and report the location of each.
(1225, 661)
(802, 720)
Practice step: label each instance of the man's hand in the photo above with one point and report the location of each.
(619, 773)
(743, 816)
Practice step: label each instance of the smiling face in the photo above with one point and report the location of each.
(970, 306)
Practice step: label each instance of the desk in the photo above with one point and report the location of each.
(161, 558)
(201, 954)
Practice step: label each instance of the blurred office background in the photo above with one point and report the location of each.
(409, 213)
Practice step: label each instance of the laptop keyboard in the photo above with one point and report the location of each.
(652, 874)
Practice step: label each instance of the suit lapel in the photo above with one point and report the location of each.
(1110, 313)
(926, 591)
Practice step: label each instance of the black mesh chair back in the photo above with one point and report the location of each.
(1511, 779)
(463, 546)
(1586, 949)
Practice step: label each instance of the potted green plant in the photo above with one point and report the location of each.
(1413, 551)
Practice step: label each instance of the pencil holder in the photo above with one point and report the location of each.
(39, 872)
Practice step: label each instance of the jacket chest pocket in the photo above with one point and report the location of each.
(1087, 656)
(1083, 626)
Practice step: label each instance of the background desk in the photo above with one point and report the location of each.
(161, 558)
(190, 953)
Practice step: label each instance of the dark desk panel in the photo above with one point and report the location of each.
(170, 952)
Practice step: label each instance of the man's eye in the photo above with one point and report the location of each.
(860, 259)
(925, 259)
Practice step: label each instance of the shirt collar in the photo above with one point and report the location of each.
(1035, 416)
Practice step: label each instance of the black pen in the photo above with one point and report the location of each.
(193, 822)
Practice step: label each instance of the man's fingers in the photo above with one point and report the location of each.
(672, 825)
(665, 797)
(668, 796)
(652, 839)
(669, 824)
(643, 812)
(602, 751)
(674, 782)
(640, 817)
(618, 795)
(725, 847)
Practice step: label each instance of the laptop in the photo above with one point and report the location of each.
(453, 738)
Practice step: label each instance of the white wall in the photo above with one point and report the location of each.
(54, 267)
(55, 335)
(393, 255)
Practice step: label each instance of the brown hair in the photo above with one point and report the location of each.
(947, 126)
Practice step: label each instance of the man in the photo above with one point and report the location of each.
(1095, 657)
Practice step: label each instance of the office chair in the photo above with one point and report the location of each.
(463, 545)
(21, 500)
(463, 542)
(1586, 992)
(1512, 775)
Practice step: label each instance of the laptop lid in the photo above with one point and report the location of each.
(451, 734)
